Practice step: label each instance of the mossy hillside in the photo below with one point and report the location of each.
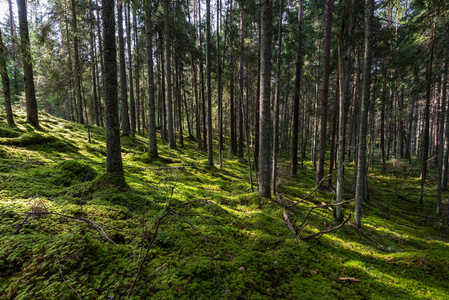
(247, 251)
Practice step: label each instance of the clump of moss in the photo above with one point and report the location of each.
(33, 139)
(6, 132)
(69, 172)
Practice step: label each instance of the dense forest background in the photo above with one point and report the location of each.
(342, 96)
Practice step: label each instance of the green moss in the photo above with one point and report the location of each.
(6, 132)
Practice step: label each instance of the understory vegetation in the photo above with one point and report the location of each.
(181, 229)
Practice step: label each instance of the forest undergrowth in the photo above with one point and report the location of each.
(181, 229)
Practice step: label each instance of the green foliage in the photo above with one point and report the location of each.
(400, 253)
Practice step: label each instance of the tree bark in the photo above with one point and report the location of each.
(325, 93)
(426, 134)
(113, 147)
(361, 157)
(276, 101)
(77, 64)
(5, 82)
(265, 103)
(296, 96)
(150, 83)
(123, 84)
(171, 136)
(132, 104)
(219, 90)
(30, 94)
(242, 42)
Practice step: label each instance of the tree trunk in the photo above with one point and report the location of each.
(93, 67)
(425, 140)
(361, 156)
(132, 104)
(113, 148)
(441, 149)
(242, 42)
(150, 83)
(296, 96)
(171, 137)
(219, 90)
(210, 154)
(30, 94)
(265, 103)
(123, 85)
(5, 82)
(276, 100)
(325, 93)
(77, 64)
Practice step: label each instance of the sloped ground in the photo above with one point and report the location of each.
(198, 232)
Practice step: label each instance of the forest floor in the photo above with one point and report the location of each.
(181, 229)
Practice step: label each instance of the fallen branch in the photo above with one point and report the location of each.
(92, 224)
(289, 223)
(360, 231)
(321, 233)
(318, 185)
(321, 206)
(62, 276)
(348, 279)
(170, 168)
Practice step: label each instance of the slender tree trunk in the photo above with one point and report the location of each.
(5, 82)
(296, 96)
(113, 147)
(265, 105)
(171, 137)
(325, 93)
(441, 131)
(30, 94)
(210, 154)
(150, 83)
(93, 67)
(276, 101)
(257, 108)
(132, 104)
(219, 90)
(13, 51)
(425, 140)
(77, 63)
(361, 157)
(123, 84)
(242, 42)
(341, 124)
(139, 107)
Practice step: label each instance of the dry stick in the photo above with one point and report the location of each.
(60, 272)
(146, 279)
(321, 206)
(152, 242)
(318, 185)
(321, 233)
(92, 224)
(367, 236)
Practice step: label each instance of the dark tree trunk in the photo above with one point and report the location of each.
(171, 136)
(132, 104)
(30, 94)
(113, 148)
(93, 68)
(265, 103)
(5, 82)
(210, 154)
(426, 134)
(77, 64)
(296, 96)
(325, 93)
(219, 90)
(123, 84)
(361, 156)
(150, 83)
(242, 42)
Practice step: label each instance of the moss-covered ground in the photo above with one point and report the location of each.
(213, 237)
